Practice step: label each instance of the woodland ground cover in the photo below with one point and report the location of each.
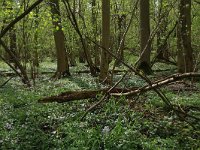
(137, 123)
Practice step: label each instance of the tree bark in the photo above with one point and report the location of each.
(104, 66)
(95, 24)
(62, 56)
(162, 44)
(121, 27)
(185, 52)
(22, 73)
(145, 45)
(87, 53)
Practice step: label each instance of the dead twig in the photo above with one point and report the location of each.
(105, 97)
(5, 82)
(158, 84)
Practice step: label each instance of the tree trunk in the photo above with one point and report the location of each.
(82, 57)
(162, 44)
(35, 56)
(62, 57)
(185, 52)
(94, 22)
(104, 66)
(22, 72)
(121, 27)
(13, 44)
(145, 45)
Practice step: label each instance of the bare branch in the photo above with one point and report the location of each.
(17, 19)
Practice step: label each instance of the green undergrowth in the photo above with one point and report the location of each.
(137, 123)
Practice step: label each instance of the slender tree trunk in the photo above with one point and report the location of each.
(82, 56)
(162, 44)
(11, 52)
(94, 22)
(22, 72)
(145, 45)
(121, 28)
(62, 57)
(104, 66)
(72, 58)
(13, 42)
(83, 41)
(185, 52)
(71, 50)
(35, 58)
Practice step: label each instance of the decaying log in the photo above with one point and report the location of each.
(88, 71)
(116, 92)
(79, 95)
(6, 73)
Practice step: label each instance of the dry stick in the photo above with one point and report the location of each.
(106, 95)
(159, 83)
(17, 19)
(10, 66)
(167, 37)
(146, 79)
(74, 23)
(6, 29)
(184, 113)
(124, 36)
(152, 35)
(5, 82)
(116, 58)
(196, 63)
(156, 89)
(74, 95)
(23, 73)
(134, 70)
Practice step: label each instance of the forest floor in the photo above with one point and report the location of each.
(136, 123)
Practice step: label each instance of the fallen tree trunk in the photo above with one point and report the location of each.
(116, 92)
(88, 71)
(6, 73)
(79, 95)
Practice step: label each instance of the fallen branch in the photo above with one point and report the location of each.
(6, 73)
(18, 18)
(105, 96)
(158, 84)
(5, 82)
(116, 92)
(110, 71)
